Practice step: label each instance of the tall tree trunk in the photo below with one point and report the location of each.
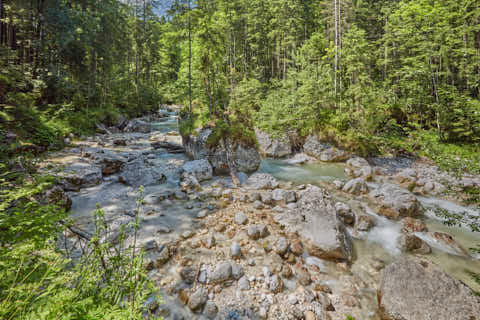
(336, 49)
(189, 59)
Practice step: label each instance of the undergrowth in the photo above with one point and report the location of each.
(39, 281)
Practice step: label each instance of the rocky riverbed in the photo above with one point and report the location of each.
(299, 239)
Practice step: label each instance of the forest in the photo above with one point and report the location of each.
(375, 78)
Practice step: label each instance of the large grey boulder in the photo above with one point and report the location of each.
(112, 163)
(321, 230)
(333, 154)
(418, 290)
(200, 169)
(80, 175)
(259, 181)
(245, 157)
(356, 186)
(138, 173)
(396, 202)
(323, 151)
(314, 147)
(273, 147)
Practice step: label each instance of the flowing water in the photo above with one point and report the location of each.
(381, 241)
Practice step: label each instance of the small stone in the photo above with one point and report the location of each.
(150, 245)
(202, 214)
(197, 299)
(338, 184)
(183, 296)
(222, 272)
(292, 299)
(187, 234)
(240, 218)
(267, 246)
(290, 196)
(243, 284)
(163, 256)
(303, 276)
(412, 225)
(237, 271)
(257, 205)
(255, 197)
(365, 223)
(276, 284)
(281, 246)
(296, 247)
(211, 310)
(267, 198)
(322, 288)
(236, 250)
(163, 229)
(345, 213)
(251, 262)
(202, 277)
(209, 242)
(287, 271)
(267, 272)
(188, 274)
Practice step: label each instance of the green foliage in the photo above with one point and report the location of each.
(38, 282)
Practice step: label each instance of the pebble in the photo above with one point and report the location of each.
(197, 299)
(187, 234)
(211, 310)
(222, 272)
(240, 218)
(281, 246)
(243, 284)
(257, 204)
(202, 214)
(236, 250)
(292, 299)
(237, 271)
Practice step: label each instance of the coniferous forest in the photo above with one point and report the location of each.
(376, 79)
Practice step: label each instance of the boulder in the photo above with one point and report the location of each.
(273, 147)
(259, 181)
(197, 300)
(300, 158)
(412, 243)
(406, 176)
(356, 163)
(322, 232)
(418, 289)
(314, 147)
(59, 197)
(323, 151)
(138, 173)
(221, 273)
(365, 223)
(345, 213)
(333, 154)
(448, 243)
(245, 157)
(412, 225)
(80, 175)
(112, 163)
(200, 169)
(396, 202)
(356, 186)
